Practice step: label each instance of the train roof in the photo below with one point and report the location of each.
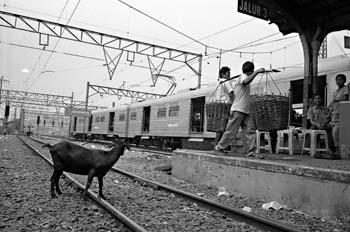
(335, 64)
(176, 97)
(111, 109)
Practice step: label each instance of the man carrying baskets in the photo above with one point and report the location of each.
(240, 115)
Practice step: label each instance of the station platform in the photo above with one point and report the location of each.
(318, 187)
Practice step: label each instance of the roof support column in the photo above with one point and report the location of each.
(311, 40)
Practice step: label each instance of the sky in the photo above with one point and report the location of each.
(205, 27)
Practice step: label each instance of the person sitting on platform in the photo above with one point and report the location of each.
(319, 117)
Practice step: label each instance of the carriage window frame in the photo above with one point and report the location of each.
(161, 112)
(97, 119)
(102, 118)
(121, 117)
(174, 111)
(133, 116)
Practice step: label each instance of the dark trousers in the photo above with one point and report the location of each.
(328, 129)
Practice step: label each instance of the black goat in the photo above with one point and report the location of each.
(70, 157)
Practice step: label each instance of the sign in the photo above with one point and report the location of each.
(253, 9)
(78, 112)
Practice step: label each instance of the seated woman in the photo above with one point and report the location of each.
(319, 117)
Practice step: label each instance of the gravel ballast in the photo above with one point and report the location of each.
(143, 164)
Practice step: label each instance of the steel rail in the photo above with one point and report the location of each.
(259, 222)
(108, 207)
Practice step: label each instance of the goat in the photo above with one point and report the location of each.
(70, 157)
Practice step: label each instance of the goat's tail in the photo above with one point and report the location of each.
(47, 145)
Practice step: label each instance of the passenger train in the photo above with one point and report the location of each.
(179, 120)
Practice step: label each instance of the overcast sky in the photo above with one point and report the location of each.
(213, 23)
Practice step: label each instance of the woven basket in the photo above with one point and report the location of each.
(271, 112)
(217, 115)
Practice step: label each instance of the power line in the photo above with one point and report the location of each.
(219, 32)
(47, 61)
(90, 24)
(233, 49)
(213, 55)
(271, 41)
(164, 24)
(46, 50)
(37, 61)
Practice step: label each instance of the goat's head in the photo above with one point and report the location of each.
(121, 143)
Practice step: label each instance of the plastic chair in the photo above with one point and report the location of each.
(313, 139)
(285, 141)
(263, 141)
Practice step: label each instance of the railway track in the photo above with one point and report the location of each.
(155, 150)
(132, 225)
(257, 223)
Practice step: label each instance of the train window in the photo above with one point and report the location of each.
(133, 116)
(174, 111)
(161, 113)
(121, 117)
(102, 118)
(97, 119)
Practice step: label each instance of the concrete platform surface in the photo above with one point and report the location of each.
(318, 187)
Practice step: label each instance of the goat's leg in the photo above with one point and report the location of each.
(59, 173)
(53, 181)
(100, 185)
(88, 183)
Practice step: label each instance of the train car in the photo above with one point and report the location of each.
(169, 120)
(179, 120)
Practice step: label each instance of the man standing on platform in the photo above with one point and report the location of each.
(240, 115)
(227, 87)
(341, 94)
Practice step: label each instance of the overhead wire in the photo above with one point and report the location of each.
(166, 25)
(268, 42)
(51, 54)
(219, 32)
(195, 40)
(46, 50)
(82, 22)
(37, 61)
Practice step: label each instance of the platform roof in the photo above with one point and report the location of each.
(300, 15)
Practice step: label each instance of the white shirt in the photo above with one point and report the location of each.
(241, 102)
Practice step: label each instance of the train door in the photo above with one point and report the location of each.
(111, 122)
(197, 115)
(90, 123)
(297, 88)
(146, 119)
(74, 124)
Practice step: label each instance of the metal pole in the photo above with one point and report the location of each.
(3, 122)
(70, 117)
(5, 119)
(86, 106)
(219, 63)
(1, 78)
(200, 72)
